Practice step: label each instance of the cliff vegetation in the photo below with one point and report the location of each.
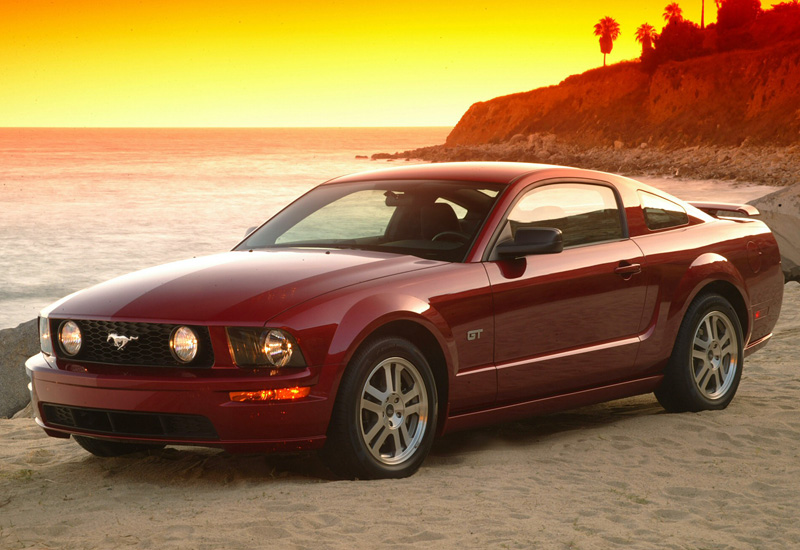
(724, 104)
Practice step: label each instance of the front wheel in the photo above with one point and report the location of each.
(704, 370)
(384, 418)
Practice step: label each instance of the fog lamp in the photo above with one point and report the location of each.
(69, 335)
(183, 344)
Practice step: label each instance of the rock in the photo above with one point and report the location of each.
(781, 212)
(517, 138)
(27, 412)
(618, 144)
(726, 163)
(16, 345)
(549, 140)
(362, 157)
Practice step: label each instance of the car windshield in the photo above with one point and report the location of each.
(430, 219)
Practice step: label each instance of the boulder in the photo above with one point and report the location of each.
(16, 345)
(27, 412)
(781, 212)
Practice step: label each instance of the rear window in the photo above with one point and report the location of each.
(660, 213)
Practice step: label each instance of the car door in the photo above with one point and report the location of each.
(567, 321)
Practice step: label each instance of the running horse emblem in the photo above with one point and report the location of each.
(120, 341)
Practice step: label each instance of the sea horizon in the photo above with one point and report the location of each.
(212, 127)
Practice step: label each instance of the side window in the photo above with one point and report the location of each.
(584, 213)
(660, 213)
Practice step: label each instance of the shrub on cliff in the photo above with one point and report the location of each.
(679, 40)
(734, 20)
(791, 8)
(735, 14)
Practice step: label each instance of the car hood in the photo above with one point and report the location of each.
(241, 287)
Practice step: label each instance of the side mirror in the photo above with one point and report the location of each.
(531, 240)
(250, 230)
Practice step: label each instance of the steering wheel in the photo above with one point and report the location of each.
(453, 236)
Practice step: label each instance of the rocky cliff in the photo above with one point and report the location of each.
(728, 99)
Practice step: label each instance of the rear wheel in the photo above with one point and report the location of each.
(385, 414)
(100, 447)
(706, 364)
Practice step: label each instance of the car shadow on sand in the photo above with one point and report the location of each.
(530, 432)
(178, 466)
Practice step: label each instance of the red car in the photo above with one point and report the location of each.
(381, 309)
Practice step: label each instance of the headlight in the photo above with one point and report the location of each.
(258, 347)
(45, 340)
(277, 347)
(183, 344)
(69, 336)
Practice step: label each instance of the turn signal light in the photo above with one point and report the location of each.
(282, 394)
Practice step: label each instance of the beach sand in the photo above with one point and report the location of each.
(624, 474)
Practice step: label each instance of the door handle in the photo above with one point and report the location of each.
(627, 270)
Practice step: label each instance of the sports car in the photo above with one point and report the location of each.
(381, 310)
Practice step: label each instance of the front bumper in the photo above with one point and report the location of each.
(185, 408)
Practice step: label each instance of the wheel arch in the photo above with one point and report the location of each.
(422, 337)
(714, 273)
(734, 296)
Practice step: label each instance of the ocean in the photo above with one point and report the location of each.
(80, 206)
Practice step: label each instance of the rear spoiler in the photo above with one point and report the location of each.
(717, 209)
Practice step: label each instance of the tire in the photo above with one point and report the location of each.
(103, 448)
(705, 367)
(384, 418)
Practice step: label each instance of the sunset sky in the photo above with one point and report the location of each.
(237, 63)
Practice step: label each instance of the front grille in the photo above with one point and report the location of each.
(149, 349)
(172, 426)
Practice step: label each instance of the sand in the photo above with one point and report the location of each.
(623, 474)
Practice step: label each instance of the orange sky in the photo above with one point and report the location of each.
(295, 63)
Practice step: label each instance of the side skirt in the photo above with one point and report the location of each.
(753, 347)
(546, 405)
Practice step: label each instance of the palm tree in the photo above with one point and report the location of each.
(703, 14)
(673, 12)
(644, 36)
(608, 31)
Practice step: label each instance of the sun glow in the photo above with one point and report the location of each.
(315, 63)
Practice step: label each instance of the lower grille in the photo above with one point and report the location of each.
(172, 426)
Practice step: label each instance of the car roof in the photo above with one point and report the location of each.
(489, 172)
(504, 173)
